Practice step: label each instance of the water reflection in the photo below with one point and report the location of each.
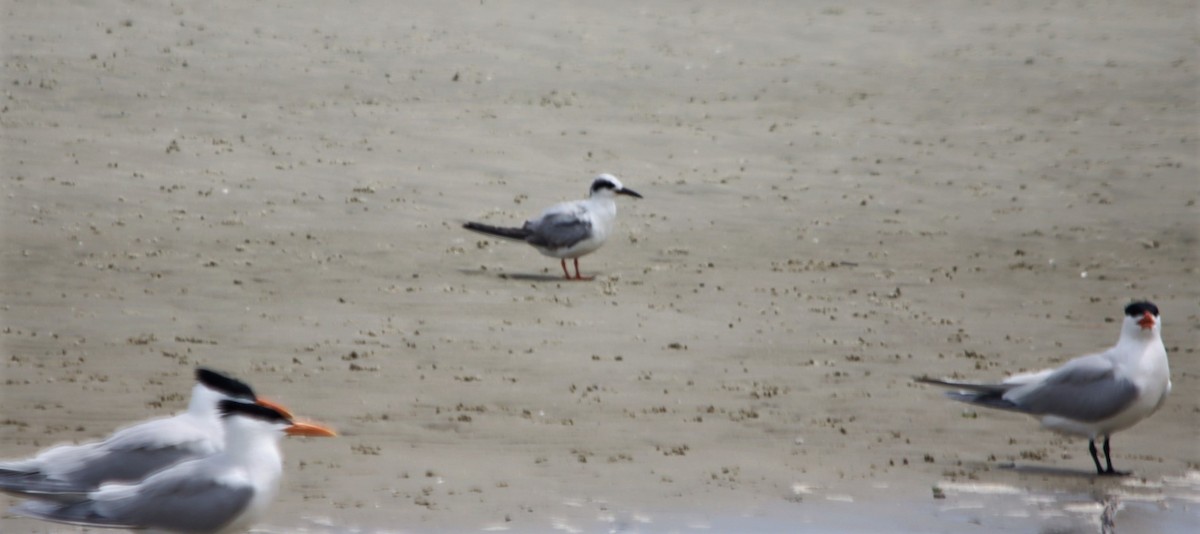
(1170, 505)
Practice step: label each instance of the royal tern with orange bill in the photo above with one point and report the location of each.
(65, 471)
(223, 493)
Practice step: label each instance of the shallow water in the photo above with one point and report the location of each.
(1169, 506)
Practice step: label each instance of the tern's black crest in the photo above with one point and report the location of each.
(603, 183)
(225, 384)
(231, 408)
(1139, 308)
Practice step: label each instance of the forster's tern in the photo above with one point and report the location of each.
(571, 229)
(1092, 396)
(66, 471)
(225, 492)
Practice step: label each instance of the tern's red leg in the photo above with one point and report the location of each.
(579, 276)
(566, 273)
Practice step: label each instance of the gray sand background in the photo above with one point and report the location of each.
(839, 196)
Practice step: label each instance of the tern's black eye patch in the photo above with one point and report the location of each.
(603, 183)
(225, 384)
(1139, 308)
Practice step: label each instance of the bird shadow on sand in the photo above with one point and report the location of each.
(523, 277)
(1054, 471)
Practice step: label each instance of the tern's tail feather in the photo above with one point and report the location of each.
(986, 395)
(83, 514)
(41, 488)
(969, 386)
(508, 233)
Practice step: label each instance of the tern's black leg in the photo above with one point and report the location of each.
(1108, 459)
(1095, 457)
(1107, 456)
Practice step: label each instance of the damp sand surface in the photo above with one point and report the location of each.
(838, 197)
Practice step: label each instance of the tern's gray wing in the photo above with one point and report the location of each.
(42, 488)
(80, 513)
(184, 502)
(1087, 389)
(559, 229)
(114, 466)
(128, 455)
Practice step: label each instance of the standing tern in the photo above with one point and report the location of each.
(66, 471)
(225, 492)
(570, 229)
(1092, 396)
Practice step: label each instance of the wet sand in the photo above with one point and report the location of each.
(838, 197)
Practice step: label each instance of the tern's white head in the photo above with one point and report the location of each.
(1141, 321)
(252, 434)
(607, 185)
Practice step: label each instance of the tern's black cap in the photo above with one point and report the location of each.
(603, 182)
(225, 384)
(611, 183)
(1139, 308)
(231, 408)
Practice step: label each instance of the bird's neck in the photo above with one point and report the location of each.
(1140, 344)
(252, 448)
(257, 455)
(602, 203)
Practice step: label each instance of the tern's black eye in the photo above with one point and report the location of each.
(1139, 308)
(225, 384)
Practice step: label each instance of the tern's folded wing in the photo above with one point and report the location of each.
(560, 229)
(185, 501)
(1087, 389)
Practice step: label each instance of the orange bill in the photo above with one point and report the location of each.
(275, 406)
(301, 428)
(1147, 321)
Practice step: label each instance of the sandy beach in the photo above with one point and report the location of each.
(838, 197)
